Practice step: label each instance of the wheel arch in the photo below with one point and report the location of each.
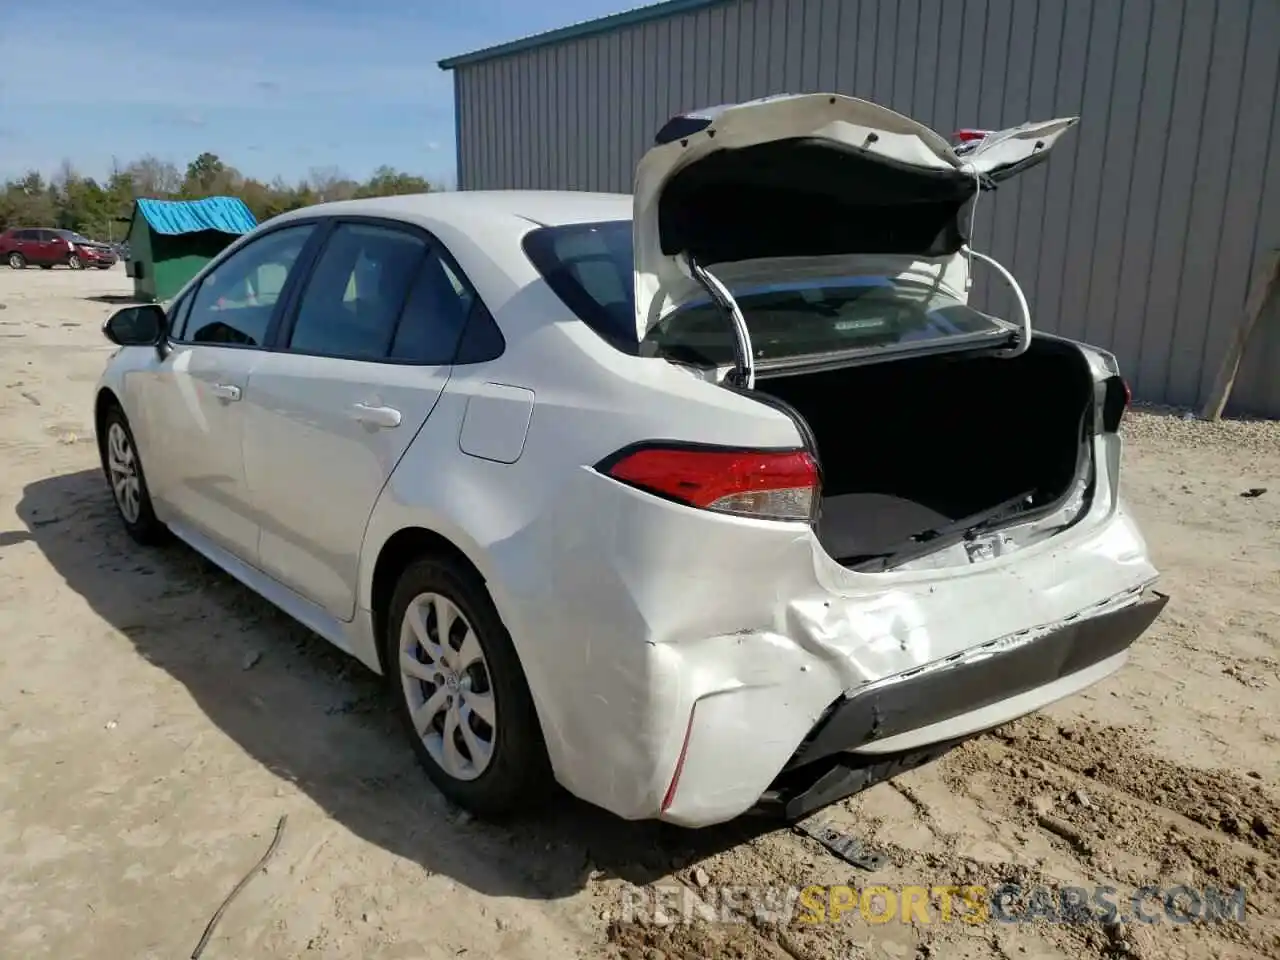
(104, 401)
(398, 551)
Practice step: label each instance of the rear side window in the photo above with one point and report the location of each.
(589, 266)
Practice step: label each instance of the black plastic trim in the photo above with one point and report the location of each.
(934, 696)
(799, 792)
(1114, 403)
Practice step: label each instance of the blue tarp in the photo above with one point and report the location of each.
(223, 214)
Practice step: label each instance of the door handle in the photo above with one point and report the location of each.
(375, 416)
(225, 391)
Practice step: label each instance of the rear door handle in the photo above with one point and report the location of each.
(376, 416)
(225, 391)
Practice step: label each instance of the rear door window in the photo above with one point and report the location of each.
(357, 291)
(434, 315)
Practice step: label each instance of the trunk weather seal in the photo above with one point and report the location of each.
(965, 344)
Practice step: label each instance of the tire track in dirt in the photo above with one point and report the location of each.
(1134, 827)
(1238, 806)
(1137, 824)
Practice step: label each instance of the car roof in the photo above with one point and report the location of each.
(461, 208)
(483, 230)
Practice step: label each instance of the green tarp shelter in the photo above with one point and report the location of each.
(170, 240)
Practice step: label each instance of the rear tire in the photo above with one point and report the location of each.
(17, 261)
(74, 263)
(462, 694)
(123, 468)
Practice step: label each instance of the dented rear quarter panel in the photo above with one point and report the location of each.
(627, 610)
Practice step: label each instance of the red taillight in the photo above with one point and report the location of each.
(767, 484)
(969, 135)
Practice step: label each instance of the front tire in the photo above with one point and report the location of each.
(17, 261)
(123, 467)
(74, 263)
(461, 693)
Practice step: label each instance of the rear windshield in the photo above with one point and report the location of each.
(589, 268)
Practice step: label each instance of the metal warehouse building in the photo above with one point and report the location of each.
(1141, 234)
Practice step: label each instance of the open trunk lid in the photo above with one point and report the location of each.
(821, 183)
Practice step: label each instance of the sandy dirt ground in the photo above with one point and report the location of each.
(157, 720)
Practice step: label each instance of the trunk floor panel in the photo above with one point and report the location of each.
(864, 524)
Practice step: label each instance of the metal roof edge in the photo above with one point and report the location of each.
(576, 31)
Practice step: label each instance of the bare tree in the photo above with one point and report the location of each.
(153, 177)
(331, 183)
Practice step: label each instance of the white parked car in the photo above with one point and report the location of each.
(713, 499)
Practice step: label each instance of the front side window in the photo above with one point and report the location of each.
(235, 302)
(357, 291)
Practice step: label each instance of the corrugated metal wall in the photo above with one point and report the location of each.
(1142, 232)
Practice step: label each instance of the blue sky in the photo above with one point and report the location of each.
(274, 87)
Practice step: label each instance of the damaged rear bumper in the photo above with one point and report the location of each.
(914, 718)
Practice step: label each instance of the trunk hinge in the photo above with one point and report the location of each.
(1024, 339)
(744, 372)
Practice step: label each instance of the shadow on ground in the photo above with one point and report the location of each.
(123, 299)
(318, 719)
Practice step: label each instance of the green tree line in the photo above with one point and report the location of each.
(97, 209)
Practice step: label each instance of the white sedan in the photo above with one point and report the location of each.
(713, 499)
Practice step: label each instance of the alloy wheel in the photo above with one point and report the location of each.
(16, 261)
(74, 263)
(122, 464)
(447, 686)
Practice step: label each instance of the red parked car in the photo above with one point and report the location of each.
(46, 248)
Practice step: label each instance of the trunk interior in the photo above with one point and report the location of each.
(916, 451)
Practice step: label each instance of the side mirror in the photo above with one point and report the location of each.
(140, 326)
